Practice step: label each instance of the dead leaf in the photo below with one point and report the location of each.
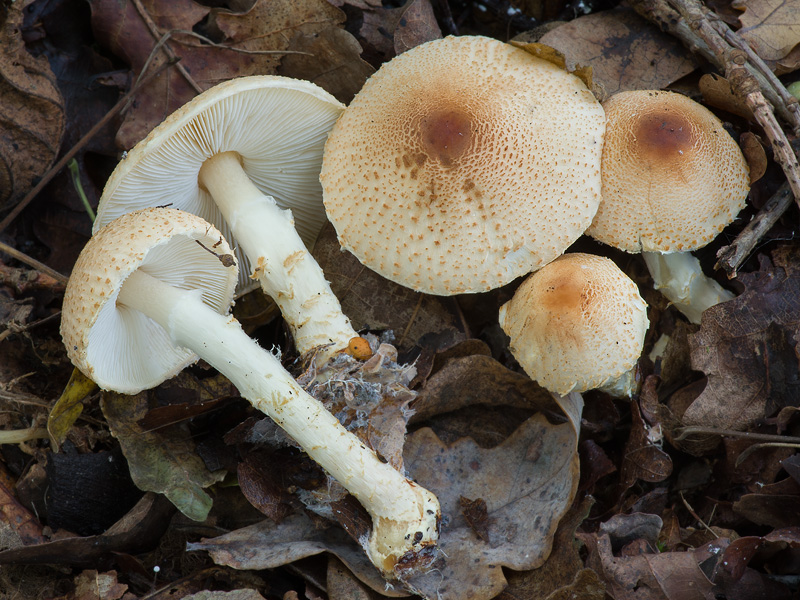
(138, 531)
(625, 51)
(747, 348)
(717, 92)
(371, 301)
(662, 576)
(91, 585)
(392, 31)
(234, 595)
(770, 27)
(563, 575)
(328, 55)
(342, 585)
(32, 109)
(524, 504)
(266, 545)
(68, 407)
(162, 461)
(643, 458)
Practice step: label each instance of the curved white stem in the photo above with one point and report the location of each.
(282, 264)
(405, 516)
(679, 277)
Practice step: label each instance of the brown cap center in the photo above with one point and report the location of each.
(663, 135)
(446, 135)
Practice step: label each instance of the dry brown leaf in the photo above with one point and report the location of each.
(392, 31)
(747, 348)
(267, 28)
(371, 301)
(527, 483)
(32, 112)
(771, 27)
(563, 575)
(330, 56)
(643, 458)
(625, 51)
(717, 92)
(534, 472)
(91, 585)
(660, 576)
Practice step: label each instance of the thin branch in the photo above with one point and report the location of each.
(684, 432)
(208, 42)
(158, 36)
(730, 258)
(119, 106)
(32, 262)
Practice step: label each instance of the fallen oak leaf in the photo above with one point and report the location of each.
(32, 112)
(541, 483)
(747, 348)
(138, 531)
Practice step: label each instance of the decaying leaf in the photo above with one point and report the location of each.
(69, 406)
(643, 459)
(391, 31)
(371, 301)
(524, 504)
(253, 43)
(771, 28)
(652, 576)
(138, 531)
(164, 460)
(91, 585)
(32, 110)
(747, 348)
(624, 51)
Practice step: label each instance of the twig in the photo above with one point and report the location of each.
(10, 330)
(682, 433)
(745, 82)
(158, 36)
(696, 516)
(731, 257)
(77, 147)
(750, 449)
(670, 20)
(214, 44)
(32, 262)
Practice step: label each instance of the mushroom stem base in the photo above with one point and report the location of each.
(405, 516)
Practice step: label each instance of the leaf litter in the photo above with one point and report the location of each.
(662, 509)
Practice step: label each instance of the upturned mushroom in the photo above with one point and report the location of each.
(462, 164)
(149, 294)
(672, 180)
(245, 155)
(578, 324)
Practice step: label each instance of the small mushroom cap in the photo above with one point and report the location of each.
(277, 125)
(672, 176)
(577, 324)
(119, 348)
(462, 164)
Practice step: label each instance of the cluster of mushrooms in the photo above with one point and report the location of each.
(463, 164)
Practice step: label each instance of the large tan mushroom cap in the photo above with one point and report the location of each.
(120, 348)
(672, 176)
(576, 324)
(462, 164)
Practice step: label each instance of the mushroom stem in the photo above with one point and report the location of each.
(284, 267)
(679, 277)
(404, 515)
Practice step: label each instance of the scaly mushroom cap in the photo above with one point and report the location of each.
(277, 125)
(120, 348)
(672, 176)
(576, 324)
(462, 164)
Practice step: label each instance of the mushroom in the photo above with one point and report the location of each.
(149, 294)
(462, 164)
(578, 324)
(238, 155)
(672, 180)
